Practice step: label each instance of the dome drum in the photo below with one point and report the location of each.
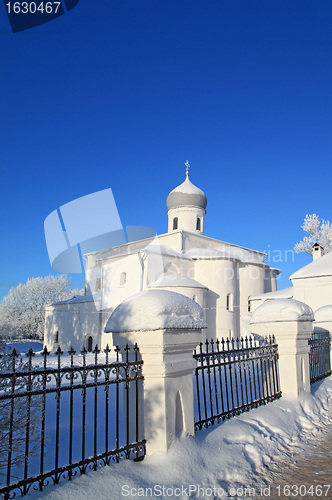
(186, 206)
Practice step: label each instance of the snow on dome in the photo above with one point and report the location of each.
(324, 314)
(282, 310)
(155, 310)
(186, 195)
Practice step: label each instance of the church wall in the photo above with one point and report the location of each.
(316, 292)
(121, 278)
(70, 325)
(254, 303)
(172, 240)
(186, 219)
(252, 282)
(221, 279)
(270, 283)
(274, 275)
(196, 294)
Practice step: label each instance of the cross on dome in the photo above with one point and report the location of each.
(187, 164)
(186, 194)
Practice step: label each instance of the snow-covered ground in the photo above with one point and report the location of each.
(220, 462)
(24, 345)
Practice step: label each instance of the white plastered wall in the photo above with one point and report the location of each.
(74, 324)
(316, 292)
(187, 219)
(220, 278)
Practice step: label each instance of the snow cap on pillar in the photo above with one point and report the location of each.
(282, 310)
(155, 310)
(324, 314)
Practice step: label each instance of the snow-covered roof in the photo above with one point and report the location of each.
(319, 267)
(282, 310)
(285, 293)
(133, 248)
(186, 195)
(206, 247)
(74, 300)
(234, 253)
(163, 249)
(176, 280)
(155, 310)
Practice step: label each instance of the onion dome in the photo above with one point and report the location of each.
(186, 195)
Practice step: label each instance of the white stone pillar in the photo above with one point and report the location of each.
(166, 327)
(291, 322)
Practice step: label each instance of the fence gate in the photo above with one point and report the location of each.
(233, 376)
(319, 355)
(61, 421)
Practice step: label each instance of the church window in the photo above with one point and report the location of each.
(229, 302)
(198, 224)
(98, 285)
(56, 337)
(195, 298)
(90, 340)
(123, 279)
(175, 223)
(249, 306)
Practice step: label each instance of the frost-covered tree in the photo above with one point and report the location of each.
(15, 413)
(318, 230)
(22, 311)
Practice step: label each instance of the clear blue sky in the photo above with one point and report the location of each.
(120, 93)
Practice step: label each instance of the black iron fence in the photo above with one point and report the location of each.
(58, 422)
(233, 376)
(319, 355)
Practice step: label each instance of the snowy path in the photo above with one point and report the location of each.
(309, 473)
(220, 462)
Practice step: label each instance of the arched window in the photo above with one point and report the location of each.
(175, 223)
(123, 279)
(56, 337)
(90, 340)
(198, 224)
(229, 302)
(195, 298)
(249, 306)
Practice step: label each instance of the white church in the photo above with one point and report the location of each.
(221, 277)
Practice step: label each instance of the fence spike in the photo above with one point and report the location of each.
(32, 384)
(14, 353)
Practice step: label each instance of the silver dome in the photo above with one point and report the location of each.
(186, 195)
